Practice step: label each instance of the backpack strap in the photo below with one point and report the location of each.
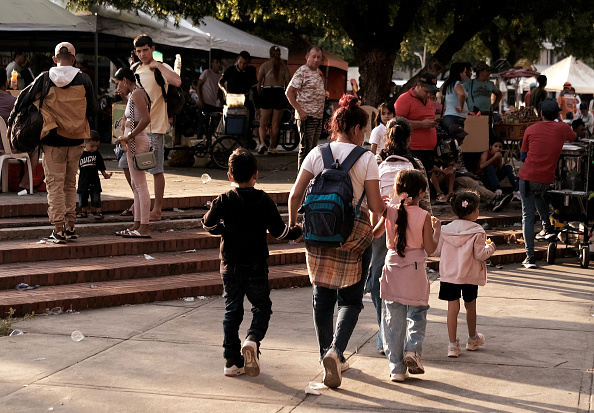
(353, 157)
(327, 157)
(44, 89)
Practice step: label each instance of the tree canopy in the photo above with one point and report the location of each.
(378, 33)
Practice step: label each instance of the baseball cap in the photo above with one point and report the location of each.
(549, 106)
(65, 48)
(533, 84)
(458, 131)
(566, 85)
(429, 81)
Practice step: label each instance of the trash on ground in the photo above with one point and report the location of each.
(201, 297)
(54, 311)
(205, 178)
(77, 336)
(149, 257)
(367, 300)
(189, 299)
(171, 230)
(93, 286)
(208, 204)
(23, 287)
(177, 210)
(39, 359)
(313, 387)
(17, 333)
(187, 251)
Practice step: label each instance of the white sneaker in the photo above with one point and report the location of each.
(332, 369)
(398, 377)
(250, 355)
(517, 195)
(498, 193)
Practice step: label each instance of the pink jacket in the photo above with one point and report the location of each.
(463, 253)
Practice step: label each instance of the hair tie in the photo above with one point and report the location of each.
(403, 197)
(464, 204)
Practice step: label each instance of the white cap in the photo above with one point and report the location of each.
(65, 48)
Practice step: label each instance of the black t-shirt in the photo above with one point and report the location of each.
(242, 216)
(90, 164)
(239, 81)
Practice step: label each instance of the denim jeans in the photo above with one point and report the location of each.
(249, 280)
(449, 120)
(532, 194)
(397, 320)
(309, 134)
(492, 176)
(350, 304)
(83, 198)
(372, 286)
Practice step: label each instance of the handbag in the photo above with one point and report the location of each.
(141, 161)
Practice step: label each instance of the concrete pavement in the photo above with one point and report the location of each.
(167, 357)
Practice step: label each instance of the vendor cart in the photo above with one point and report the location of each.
(571, 199)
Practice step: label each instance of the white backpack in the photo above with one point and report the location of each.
(388, 170)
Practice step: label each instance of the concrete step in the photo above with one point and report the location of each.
(36, 206)
(129, 266)
(76, 297)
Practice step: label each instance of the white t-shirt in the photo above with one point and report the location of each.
(365, 169)
(378, 136)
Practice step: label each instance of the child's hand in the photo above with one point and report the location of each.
(488, 241)
(435, 223)
(107, 175)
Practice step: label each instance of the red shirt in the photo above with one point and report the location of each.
(497, 164)
(543, 142)
(410, 107)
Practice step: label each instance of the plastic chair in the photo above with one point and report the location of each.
(372, 112)
(8, 155)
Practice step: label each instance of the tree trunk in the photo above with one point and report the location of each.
(376, 67)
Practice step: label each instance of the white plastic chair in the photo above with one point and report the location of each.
(8, 155)
(372, 112)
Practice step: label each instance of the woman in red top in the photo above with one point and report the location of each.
(493, 167)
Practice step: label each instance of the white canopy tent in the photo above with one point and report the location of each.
(43, 15)
(580, 75)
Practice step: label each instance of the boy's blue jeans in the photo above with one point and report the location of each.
(397, 320)
(240, 280)
(492, 176)
(350, 304)
(372, 286)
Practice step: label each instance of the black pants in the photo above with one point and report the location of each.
(240, 280)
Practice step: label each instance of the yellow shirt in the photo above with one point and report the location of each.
(159, 120)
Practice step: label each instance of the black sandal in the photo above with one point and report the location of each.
(98, 215)
(82, 214)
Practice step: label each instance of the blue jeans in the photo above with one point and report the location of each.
(249, 280)
(449, 120)
(492, 176)
(532, 194)
(397, 320)
(350, 304)
(83, 198)
(372, 286)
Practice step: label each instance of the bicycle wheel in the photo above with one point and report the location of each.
(290, 139)
(221, 149)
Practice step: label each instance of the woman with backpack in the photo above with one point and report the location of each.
(339, 273)
(395, 157)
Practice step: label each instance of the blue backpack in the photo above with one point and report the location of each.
(328, 208)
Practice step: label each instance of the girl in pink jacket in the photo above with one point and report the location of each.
(404, 289)
(464, 247)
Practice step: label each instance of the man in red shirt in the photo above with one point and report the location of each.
(415, 106)
(540, 152)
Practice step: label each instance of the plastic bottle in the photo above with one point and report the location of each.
(205, 178)
(14, 78)
(77, 336)
(178, 64)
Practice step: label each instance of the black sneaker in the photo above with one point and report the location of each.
(57, 236)
(529, 262)
(70, 233)
(502, 202)
(262, 150)
(546, 234)
(234, 367)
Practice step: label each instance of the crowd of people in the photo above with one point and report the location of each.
(393, 229)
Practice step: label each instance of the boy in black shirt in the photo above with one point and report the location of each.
(241, 216)
(90, 164)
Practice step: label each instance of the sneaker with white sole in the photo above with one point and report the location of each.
(473, 344)
(546, 234)
(249, 350)
(529, 262)
(398, 377)
(501, 202)
(517, 196)
(57, 236)
(234, 367)
(70, 233)
(332, 369)
(412, 360)
(454, 350)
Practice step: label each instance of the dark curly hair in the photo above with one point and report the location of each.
(348, 115)
(465, 202)
(397, 133)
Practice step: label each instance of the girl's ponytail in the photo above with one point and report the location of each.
(400, 229)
